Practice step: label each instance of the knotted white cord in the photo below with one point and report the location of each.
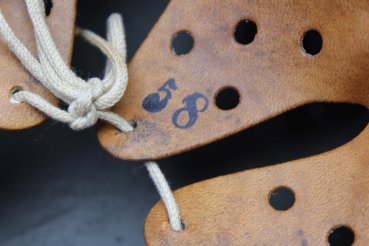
(88, 100)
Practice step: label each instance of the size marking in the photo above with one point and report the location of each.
(153, 104)
(191, 107)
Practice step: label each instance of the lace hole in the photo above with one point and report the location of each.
(227, 98)
(12, 92)
(48, 6)
(133, 123)
(312, 42)
(182, 43)
(282, 198)
(183, 224)
(341, 236)
(15, 89)
(245, 32)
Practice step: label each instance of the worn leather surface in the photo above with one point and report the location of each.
(13, 75)
(273, 74)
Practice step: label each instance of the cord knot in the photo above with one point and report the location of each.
(83, 110)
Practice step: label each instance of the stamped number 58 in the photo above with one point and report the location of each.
(186, 116)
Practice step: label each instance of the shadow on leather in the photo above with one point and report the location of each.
(306, 131)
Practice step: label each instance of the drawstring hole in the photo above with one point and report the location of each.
(183, 224)
(48, 7)
(14, 91)
(133, 123)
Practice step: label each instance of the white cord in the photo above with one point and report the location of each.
(88, 100)
(166, 194)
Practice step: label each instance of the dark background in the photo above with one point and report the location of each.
(59, 187)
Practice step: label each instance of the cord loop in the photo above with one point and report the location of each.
(88, 100)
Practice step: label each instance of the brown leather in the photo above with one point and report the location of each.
(331, 189)
(13, 75)
(273, 74)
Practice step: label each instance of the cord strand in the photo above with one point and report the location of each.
(166, 194)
